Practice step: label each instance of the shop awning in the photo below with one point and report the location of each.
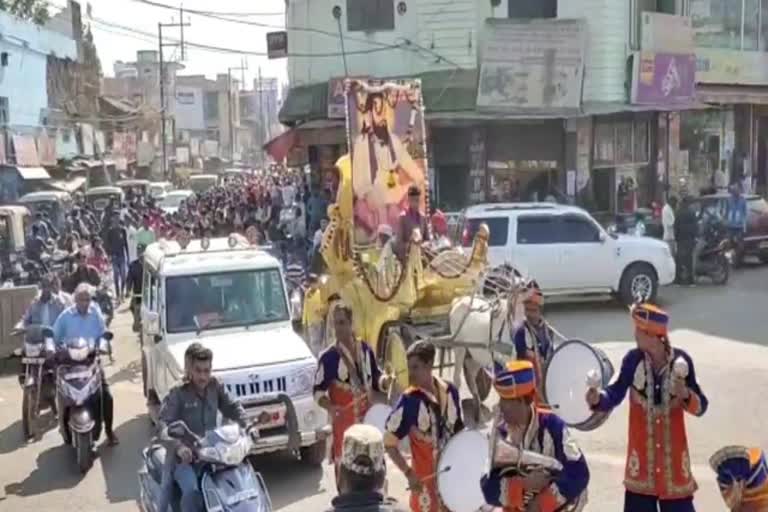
(732, 94)
(68, 185)
(33, 173)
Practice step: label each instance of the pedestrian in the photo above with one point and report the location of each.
(134, 284)
(362, 473)
(117, 245)
(736, 219)
(686, 230)
(146, 234)
(668, 223)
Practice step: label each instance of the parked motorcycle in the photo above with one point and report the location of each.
(78, 394)
(36, 379)
(715, 262)
(227, 480)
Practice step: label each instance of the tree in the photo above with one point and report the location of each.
(33, 10)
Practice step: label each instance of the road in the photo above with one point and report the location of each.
(721, 327)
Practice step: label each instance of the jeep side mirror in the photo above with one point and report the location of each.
(602, 237)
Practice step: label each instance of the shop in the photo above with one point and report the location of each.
(525, 161)
(623, 175)
(707, 140)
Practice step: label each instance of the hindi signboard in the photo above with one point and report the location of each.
(663, 79)
(534, 66)
(277, 44)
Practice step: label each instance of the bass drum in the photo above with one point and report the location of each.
(462, 463)
(565, 383)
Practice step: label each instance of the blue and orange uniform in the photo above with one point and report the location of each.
(742, 475)
(428, 421)
(658, 467)
(347, 379)
(535, 342)
(546, 434)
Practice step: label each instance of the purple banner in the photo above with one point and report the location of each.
(663, 79)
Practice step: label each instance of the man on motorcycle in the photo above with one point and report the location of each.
(37, 245)
(197, 402)
(84, 320)
(46, 307)
(83, 273)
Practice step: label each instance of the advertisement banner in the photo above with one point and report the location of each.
(717, 66)
(337, 97)
(387, 141)
(663, 79)
(26, 151)
(532, 65)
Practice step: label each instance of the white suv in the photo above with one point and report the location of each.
(568, 252)
(231, 297)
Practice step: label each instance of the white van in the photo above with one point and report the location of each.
(231, 297)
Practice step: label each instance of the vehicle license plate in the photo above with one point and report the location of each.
(32, 360)
(78, 375)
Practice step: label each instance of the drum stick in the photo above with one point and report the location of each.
(432, 476)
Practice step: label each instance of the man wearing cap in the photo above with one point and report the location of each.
(533, 339)
(428, 413)
(742, 475)
(661, 381)
(347, 375)
(362, 473)
(538, 431)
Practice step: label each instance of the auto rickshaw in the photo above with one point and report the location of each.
(57, 203)
(99, 197)
(139, 188)
(13, 227)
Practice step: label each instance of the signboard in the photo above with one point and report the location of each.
(387, 141)
(26, 151)
(337, 97)
(477, 166)
(716, 66)
(532, 65)
(663, 78)
(277, 44)
(46, 148)
(668, 33)
(182, 155)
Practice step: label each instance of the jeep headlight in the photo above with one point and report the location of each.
(301, 381)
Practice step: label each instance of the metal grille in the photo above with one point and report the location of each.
(267, 386)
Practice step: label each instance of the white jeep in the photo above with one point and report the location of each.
(231, 297)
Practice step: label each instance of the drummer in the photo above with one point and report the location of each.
(534, 338)
(347, 375)
(662, 384)
(742, 474)
(540, 431)
(428, 413)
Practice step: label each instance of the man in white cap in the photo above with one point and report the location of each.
(363, 472)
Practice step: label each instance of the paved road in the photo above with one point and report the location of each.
(723, 328)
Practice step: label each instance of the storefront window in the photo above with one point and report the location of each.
(624, 143)
(723, 24)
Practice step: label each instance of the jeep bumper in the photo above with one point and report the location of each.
(281, 442)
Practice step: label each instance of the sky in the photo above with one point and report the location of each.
(114, 43)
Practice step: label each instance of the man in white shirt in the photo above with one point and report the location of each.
(721, 181)
(668, 222)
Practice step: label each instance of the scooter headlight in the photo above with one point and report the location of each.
(32, 349)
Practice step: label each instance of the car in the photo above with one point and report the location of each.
(231, 297)
(567, 251)
(171, 201)
(756, 237)
(158, 189)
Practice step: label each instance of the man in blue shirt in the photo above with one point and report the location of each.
(84, 320)
(736, 212)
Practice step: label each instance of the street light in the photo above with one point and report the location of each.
(229, 108)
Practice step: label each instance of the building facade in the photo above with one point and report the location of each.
(663, 93)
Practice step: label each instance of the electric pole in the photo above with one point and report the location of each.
(261, 118)
(163, 109)
(230, 117)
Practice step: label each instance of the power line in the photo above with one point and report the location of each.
(220, 49)
(214, 13)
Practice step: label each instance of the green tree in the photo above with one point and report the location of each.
(34, 10)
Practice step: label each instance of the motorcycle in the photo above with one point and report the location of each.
(78, 394)
(227, 480)
(36, 379)
(714, 261)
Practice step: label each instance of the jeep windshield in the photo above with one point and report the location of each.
(223, 300)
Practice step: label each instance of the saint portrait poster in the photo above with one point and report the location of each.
(385, 127)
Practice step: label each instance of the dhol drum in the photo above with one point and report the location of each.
(377, 417)
(462, 463)
(565, 383)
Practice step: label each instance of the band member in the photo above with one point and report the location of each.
(535, 430)
(428, 413)
(347, 374)
(742, 475)
(662, 384)
(534, 338)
